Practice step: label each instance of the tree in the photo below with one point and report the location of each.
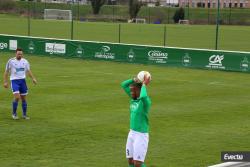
(122, 2)
(96, 5)
(179, 15)
(7, 5)
(157, 3)
(134, 8)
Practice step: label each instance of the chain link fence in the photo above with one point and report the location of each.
(111, 24)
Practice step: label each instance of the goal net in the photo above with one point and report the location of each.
(184, 22)
(140, 20)
(137, 20)
(57, 14)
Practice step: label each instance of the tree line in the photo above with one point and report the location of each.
(134, 7)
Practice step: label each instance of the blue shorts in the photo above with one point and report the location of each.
(19, 86)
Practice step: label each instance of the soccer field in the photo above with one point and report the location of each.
(190, 36)
(79, 115)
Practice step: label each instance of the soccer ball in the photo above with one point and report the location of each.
(141, 75)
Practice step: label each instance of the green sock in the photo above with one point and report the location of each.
(131, 165)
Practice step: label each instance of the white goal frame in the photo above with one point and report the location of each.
(140, 20)
(137, 20)
(185, 22)
(57, 14)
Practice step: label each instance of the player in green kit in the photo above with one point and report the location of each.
(138, 138)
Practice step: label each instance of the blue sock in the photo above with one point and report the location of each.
(24, 106)
(14, 107)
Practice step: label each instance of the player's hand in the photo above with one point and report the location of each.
(136, 80)
(146, 80)
(6, 85)
(34, 81)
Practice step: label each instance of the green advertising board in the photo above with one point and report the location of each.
(164, 56)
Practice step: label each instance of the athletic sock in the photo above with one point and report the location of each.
(143, 165)
(131, 165)
(24, 106)
(14, 107)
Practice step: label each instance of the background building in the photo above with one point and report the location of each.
(213, 3)
(65, 1)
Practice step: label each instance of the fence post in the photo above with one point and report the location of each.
(230, 11)
(72, 21)
(217, 24)
(78, 10)
(34, 8)
(113, 10)
(168, 10)
(29, 18)
(149, 19)
(119, 33)
(208, 14)
(164, 41)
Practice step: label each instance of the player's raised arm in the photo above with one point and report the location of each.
(146, 80)
(125, 85)
(143, 94)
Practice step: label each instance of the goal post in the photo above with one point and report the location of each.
(137, 20)
(57, 14)
(140, 20)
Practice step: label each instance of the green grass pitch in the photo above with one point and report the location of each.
(189, 36)
(79, 115)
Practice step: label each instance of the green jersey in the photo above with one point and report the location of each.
(139, 108)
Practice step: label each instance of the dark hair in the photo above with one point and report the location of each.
(138, 85)
(19, 49)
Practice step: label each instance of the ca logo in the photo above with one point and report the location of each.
(216, 59)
